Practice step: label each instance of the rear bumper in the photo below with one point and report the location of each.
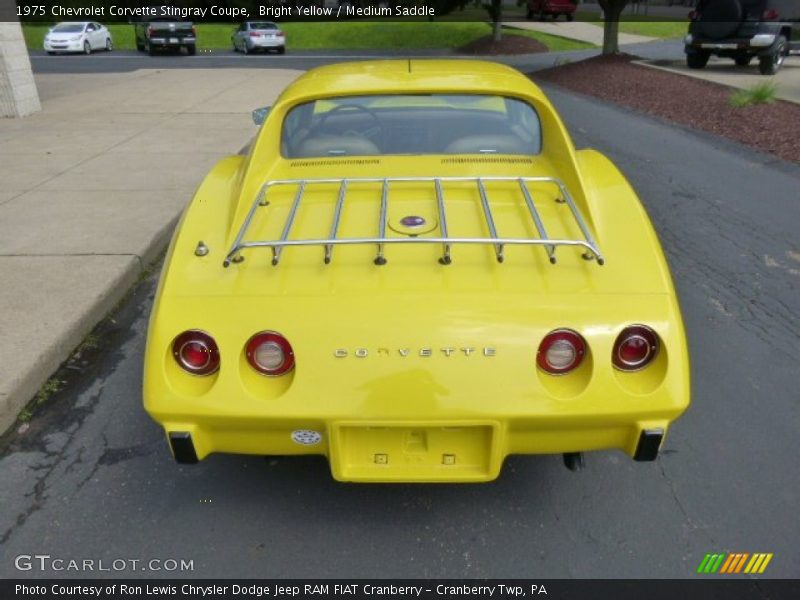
(265, 42)
(459, 451)
(762, 44)
(172, 42)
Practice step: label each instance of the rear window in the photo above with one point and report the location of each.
(411, 124)
(262, 25)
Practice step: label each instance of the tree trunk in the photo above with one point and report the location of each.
(497, 20)
(612, 9)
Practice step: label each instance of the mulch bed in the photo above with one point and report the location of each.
(509, 44)
(773, 127)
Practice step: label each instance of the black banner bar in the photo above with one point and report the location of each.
(716, 588)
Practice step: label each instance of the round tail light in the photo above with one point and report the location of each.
(196, 352)
(270, 353)
(561, 351)
(635, 348)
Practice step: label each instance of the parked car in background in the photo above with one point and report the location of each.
(258, 36)
(78, 36)
(552, 8)
(743, 30)
(415, 274)
(163, 33)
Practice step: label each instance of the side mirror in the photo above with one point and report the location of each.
(260, 115)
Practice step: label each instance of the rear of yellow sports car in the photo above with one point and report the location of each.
(420, 352)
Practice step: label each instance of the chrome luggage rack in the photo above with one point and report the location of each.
(592, 252)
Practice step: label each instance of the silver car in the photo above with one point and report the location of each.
(252, 36)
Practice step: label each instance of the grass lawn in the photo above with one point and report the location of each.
(338, 36)
(641, 25)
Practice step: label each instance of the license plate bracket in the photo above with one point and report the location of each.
(411, 452)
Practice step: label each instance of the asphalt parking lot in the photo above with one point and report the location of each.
(92, 478)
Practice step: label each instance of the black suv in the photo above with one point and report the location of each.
(742, 30)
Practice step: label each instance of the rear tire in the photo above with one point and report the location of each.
(769, 65)
(149, 49)
(87, 48)
(282, 50)
(570, 16)
(109, 45)
(51, 53)
(191, 50)
(245, 49)
(698, 60)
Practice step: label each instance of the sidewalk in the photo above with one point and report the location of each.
(577, 30)
(91, 189)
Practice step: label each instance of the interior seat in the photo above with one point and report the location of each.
(488, 144)
(336, 145)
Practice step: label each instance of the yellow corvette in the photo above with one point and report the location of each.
(415, 274)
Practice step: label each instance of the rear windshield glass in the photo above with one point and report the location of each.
(263, 25)
(411, 124)
(68, 28)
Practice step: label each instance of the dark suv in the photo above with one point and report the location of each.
(742, 30)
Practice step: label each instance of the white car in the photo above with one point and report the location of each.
(78, 36)
(252, 36)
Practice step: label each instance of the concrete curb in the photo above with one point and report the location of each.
(93, 187)
(788, 82)
(27, 384)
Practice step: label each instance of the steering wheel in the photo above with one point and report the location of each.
(374, 133)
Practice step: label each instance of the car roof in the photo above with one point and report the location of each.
(410, 76)
(73, 23)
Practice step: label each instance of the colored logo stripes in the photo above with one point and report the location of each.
(735, 562)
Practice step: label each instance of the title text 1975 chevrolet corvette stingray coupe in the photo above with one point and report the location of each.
(415, 274)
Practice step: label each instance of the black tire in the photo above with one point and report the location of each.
(233, 43)
(743, 60)
(282, 50)
(87, 48)
(529, 14)
(51, 53)
(191, 50)
(771, 64)
(698, 60)
(109, 45)
(245, 49)
(139, 45)
(570, 16)
(149, 49)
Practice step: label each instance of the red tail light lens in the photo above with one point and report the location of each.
(635, 348)
(196, 352)
(279, 33)
(270, 353)
(151, 31)
(255, 34)
(693, 15)
(770, 14)
(561, 351)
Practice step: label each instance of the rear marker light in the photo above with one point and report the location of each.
(270, 353)
(635, 348)
(196, 352)
(561, 351)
